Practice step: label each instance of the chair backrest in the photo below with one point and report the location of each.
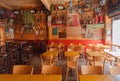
(71, 47)
(72, 58)
(81, 48)
(115, 70)
(52, 46)
(72, 62)
(46, 59)
(51, 70)
(91, 70)
(61, 46)
(100, 59)
(23, 69)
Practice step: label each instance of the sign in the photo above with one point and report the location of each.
(74, 31)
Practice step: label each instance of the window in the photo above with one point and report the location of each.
(116, 30)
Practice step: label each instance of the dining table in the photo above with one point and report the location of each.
(116, 77)
(28, 77)
(52, 53)
(115, 54)
(95, 78)
(95, 53)
(71, 53)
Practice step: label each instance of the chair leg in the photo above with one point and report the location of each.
(77, 74)
(66, 74)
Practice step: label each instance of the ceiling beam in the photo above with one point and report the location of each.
(46, 3)
(5, 6)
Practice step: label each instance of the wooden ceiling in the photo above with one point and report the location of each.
(18, 4)
(25, 4)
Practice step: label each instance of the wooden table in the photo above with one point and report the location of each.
(11, 77)
(115, 54)
(116, 77)
(94, 53)
(45, 78)
(53, 53)
(71, 53)
(25, 77)
(95, 78)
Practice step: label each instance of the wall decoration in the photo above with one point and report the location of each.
(75, 31)
(113, 7)
(94, 33)
(73, 19)
(62, 34)
(55, 31)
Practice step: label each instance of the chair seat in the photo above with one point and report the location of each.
(72, 64)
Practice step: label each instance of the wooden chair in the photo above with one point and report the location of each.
(61, 49)
(91, 70)
(115, 70)
(71, 47)
(72, 63)
(46, 59)
(51, 70)
(81, 49)
(52, 47)
(88, 58)
(98, 61)
(23, 69)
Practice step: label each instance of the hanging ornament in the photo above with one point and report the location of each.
(70, 6)
(102, 2)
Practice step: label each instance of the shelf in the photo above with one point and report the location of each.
(95, 26)
(58, 24)
(59, 12)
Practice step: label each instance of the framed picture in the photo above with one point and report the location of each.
(62, 34)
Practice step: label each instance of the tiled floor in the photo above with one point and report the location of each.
(35, 61)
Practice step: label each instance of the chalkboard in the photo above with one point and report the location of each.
(62, 34)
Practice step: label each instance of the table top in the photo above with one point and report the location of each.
(71, 53)
(25, 77)
(45, 78)
(112, 53)
(12, 77)
(116, 77)
(94, 53)
(54, 53)
(95, 78)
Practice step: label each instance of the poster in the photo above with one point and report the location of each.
(74, 31)
(55, 31)
(94, 33)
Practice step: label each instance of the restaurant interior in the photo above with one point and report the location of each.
(59, 40)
